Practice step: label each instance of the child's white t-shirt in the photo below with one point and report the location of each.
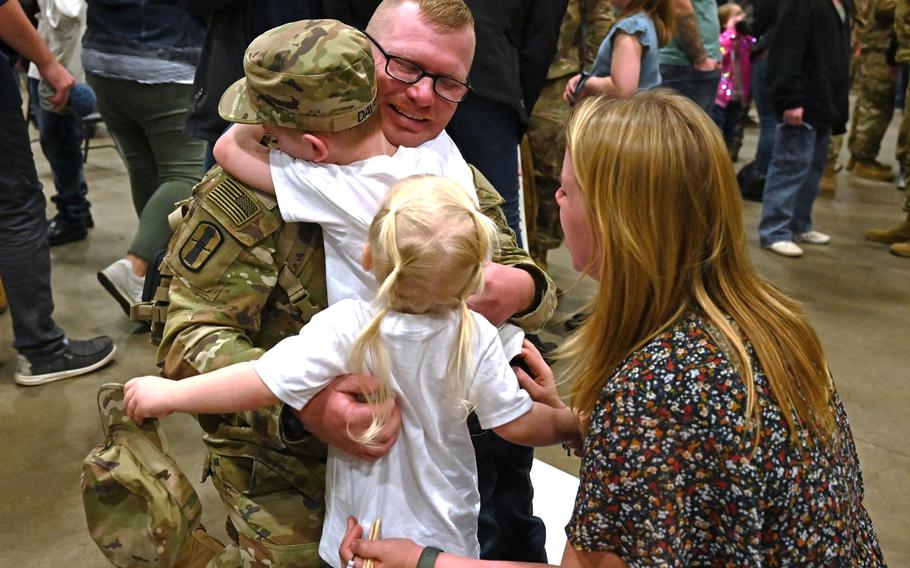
(425, 488)
(344, 200)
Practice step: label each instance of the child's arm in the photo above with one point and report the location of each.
(549, 421)
(625, 70)
(231, 389)
(239, 152)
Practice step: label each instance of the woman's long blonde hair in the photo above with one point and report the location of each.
(428, 245)
(666, 215)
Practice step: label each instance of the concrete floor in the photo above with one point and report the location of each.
(855, 293)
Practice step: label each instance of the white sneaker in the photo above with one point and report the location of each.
(785, 248)
(814, 238)
(122, 283)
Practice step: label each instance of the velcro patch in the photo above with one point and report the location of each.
(236, 202)
(201, 246)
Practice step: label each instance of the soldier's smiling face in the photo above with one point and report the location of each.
(413, 114)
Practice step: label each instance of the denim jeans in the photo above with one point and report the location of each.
(146, 122)
(506, 526)
(61, 137)
(726, 118)
(487, 133)
(800, 154)
(700, 86)
(25, 262)
(767, 116)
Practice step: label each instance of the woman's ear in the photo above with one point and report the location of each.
(318, 147)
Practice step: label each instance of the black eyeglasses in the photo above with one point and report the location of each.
(406, 71)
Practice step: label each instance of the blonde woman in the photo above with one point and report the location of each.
(715, 435)
(427, 248)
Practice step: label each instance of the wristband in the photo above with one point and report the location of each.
(428, 557)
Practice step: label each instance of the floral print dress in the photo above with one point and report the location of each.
(669, 477)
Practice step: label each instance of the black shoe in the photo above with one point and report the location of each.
(75, 357)
(60, 232)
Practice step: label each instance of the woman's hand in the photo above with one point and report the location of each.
(540, 384)
(148, 397)
(387, 553)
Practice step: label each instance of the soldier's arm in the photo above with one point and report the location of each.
(598, 19)
(224, 273)
(517, 289)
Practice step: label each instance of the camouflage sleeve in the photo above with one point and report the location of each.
(598, 19)
(902, 30)
(222, 260)
(510, 254)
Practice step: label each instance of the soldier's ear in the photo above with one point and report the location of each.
(319, 148)
(367, 260)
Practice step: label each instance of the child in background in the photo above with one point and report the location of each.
(734, 87)
(628, 59)
(427, 247)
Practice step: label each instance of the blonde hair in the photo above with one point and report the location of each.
(443, 15)
(725, 12)
(661, 12)
(428, 244)
(666, 216)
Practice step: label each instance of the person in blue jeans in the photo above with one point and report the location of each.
(60, 25)
(45, 353)
(689, 63)
(809, 80)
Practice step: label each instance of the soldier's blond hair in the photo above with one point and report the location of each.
(428, 245)
(444, 15)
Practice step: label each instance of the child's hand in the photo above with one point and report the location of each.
(540, 384)
(148, 397)
(569, 95)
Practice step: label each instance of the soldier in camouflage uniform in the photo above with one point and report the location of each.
(243, 279)
(876, 78)
(899, 236)
(584, 27)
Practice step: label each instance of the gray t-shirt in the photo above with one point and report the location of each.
(708, 29)
(642, 27)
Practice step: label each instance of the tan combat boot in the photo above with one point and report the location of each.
(870, 169)
(901, 249)
(898, 234)
(2, 298)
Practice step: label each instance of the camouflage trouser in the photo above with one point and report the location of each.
(548, 146)
(275, 503)
(837, 142)
(903, 155)
(874, 106)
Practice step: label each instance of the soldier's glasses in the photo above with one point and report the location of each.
(406, 71)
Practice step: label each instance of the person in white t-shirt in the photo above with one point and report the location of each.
(334, 173)
(427, 247)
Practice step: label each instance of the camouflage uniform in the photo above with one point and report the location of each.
(584, 27)
(243, 279)
(876, 79)
(902, 31)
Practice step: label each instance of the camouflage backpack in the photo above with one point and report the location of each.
(140, 509)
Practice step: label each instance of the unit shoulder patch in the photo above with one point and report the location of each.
(201, 246)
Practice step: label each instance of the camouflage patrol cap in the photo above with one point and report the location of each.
(313, 75)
